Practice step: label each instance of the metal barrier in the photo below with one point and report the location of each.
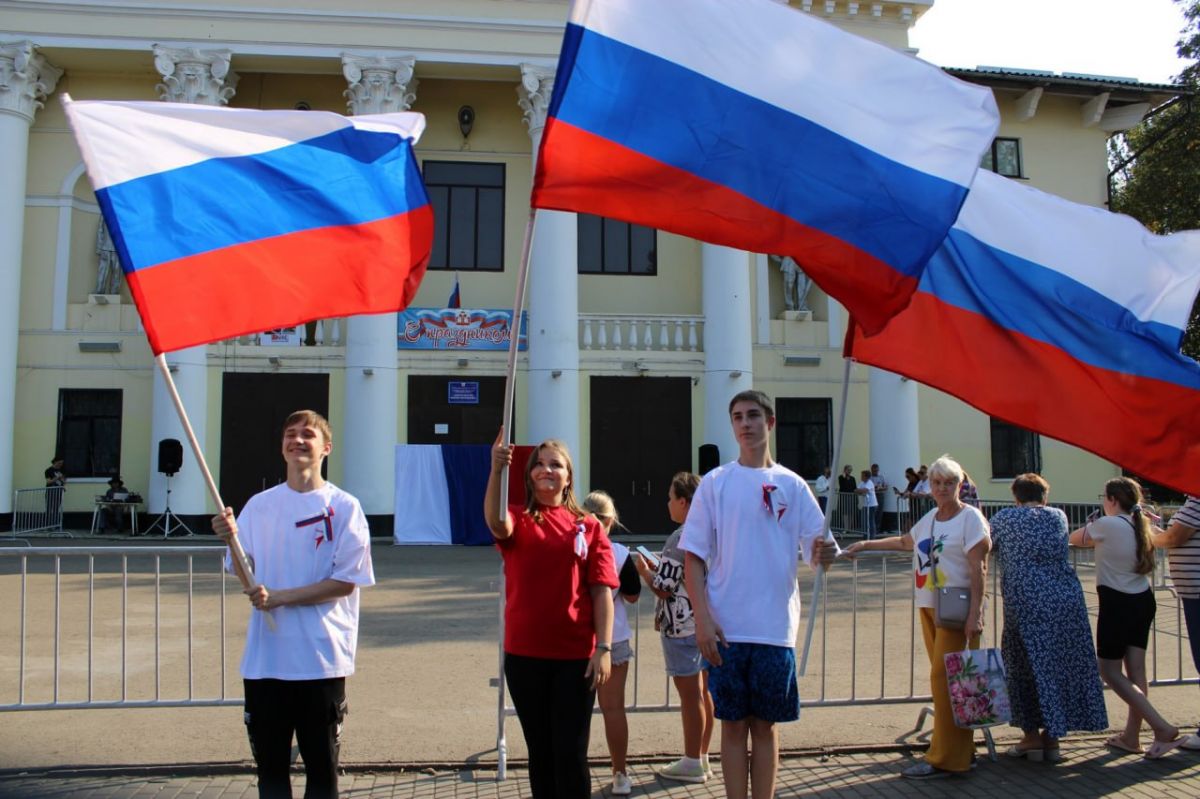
(39, 510)
(90, 627)
(868, 647)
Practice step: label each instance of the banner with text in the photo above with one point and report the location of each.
(457, 329)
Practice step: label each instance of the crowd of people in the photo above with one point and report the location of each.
(727, 608)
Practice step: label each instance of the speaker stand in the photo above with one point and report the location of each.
(168, 521)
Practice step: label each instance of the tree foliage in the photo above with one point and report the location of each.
(1158, 161)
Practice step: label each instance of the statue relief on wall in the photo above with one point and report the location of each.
(796, 283)
(108, 276)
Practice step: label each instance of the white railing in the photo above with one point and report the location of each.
(38, 510)
(647, 332)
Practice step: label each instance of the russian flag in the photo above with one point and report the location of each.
(758, 126)
(455, 300)
(233, 221)
(1060, 318)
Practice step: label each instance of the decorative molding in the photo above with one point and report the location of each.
(533, 95)
(1027, 104)
(379, 84)
(1123, 117)
(1093, 110)
(852, 9)
(62, 249)
(26, 78)
(194, 76)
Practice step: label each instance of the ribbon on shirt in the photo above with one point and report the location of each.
(325, 518)
(581, 546)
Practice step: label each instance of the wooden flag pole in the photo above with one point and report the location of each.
(514, 341)
(241, 564)
(819, 583)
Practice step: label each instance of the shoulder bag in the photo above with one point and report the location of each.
(950, 603)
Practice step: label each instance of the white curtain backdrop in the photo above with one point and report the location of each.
(422, 513)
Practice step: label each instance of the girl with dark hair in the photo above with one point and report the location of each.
(558, 615)
(1124, 561)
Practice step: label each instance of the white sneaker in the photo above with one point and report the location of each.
(684, 772)
(621, 785)
(1191, 742)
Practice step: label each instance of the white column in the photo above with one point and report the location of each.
(201, 77)
(377, 85)
(895, 428)
(25, 80)
(553, 297)
(728, 353)
(837, 326)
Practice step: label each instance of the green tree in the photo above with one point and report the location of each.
(1158, 162)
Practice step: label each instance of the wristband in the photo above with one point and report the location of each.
(603, 647)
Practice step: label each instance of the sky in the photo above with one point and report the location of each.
(1120, 38)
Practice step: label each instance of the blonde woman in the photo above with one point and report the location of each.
(612, 693)
(950, 545)
(1124, 561)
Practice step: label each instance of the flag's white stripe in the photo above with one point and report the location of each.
(809, 67)
(128, 140)
(1155, 277)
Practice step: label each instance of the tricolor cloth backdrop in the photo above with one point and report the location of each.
(439, 492)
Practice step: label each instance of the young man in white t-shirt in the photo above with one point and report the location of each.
(310, 548)
(749, 523)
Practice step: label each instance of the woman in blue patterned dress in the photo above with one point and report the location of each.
(1049, 658)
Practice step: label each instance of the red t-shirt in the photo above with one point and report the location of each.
(548, 605)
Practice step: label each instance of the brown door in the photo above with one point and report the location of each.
(253, 408)
(640, 436)
(444, 409)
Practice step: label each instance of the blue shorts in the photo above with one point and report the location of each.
(682, 656)
(756, 680)
(622, 652)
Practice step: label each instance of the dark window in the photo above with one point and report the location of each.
(468, 215)
(609, 247)
(802, 435)
(1004, 158)
(1014, 450)
(89, 431)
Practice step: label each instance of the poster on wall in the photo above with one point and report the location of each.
(282, 337)
(457, 329)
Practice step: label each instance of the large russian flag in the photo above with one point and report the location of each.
(232, 221)
(1061, 318)
(758, 126)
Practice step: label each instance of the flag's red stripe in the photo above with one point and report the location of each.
(580, 171)
(1148, 426)
(283, 281)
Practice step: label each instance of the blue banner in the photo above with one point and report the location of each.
(457, 329)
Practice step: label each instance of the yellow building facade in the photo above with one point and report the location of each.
(636, 339)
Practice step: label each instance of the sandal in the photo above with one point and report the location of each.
(1117, 742)
(1160, 748)
(1033, 754)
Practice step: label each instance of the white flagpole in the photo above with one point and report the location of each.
(819, 583)
(241, 564)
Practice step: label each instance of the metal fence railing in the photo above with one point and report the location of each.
(38, 510)
(109, 627)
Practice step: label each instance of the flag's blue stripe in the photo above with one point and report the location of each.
(1048, 306)
(785, 162)
(347, 177)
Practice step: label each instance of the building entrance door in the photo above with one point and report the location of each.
(454, 410)
(641, 432)
(253, 407)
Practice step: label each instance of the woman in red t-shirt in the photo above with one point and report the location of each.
(558, 610)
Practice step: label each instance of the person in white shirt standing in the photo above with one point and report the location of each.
(823, 485)
(749, 522)
(310, 548)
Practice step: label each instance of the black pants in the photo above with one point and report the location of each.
(554, 703)
(312, 710)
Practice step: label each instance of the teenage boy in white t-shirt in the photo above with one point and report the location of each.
(749, 522)
(310, 548)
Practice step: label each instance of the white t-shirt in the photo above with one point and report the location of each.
(951, 541)
(869, 498)
(922, 487)
(1116, 554)
(822, 486)
(750, 526)
(296, 539)
(621, 630)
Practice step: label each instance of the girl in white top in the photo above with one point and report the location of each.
(611, 695)
(950, 546)
(1124, 562)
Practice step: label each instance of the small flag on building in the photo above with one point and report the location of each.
(455, 300)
